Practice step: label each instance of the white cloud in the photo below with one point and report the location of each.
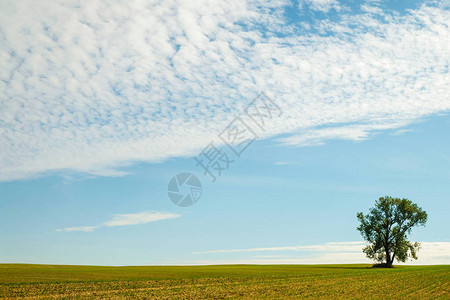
(316, 137)
(320, 258)
(79, 228)
(320, 5)
(284, 163)
(94, 86)
(139, 218)
(371, 9)
(401, 131)
(432, 253)
(328, 247)
(125, 220)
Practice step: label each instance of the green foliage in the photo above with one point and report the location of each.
(387, 227)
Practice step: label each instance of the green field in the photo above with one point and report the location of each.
(231, 281)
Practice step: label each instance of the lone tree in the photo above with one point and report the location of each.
(387, 227)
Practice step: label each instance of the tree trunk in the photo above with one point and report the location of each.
(388, 259)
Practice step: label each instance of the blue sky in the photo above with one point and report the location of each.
(103, 104)
(257, 203)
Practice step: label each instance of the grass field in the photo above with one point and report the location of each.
(248, 281)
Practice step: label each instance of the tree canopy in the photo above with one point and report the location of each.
(387, 227)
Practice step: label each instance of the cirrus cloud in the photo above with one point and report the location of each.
(93, 86)
(125, 220)
(431, 253)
